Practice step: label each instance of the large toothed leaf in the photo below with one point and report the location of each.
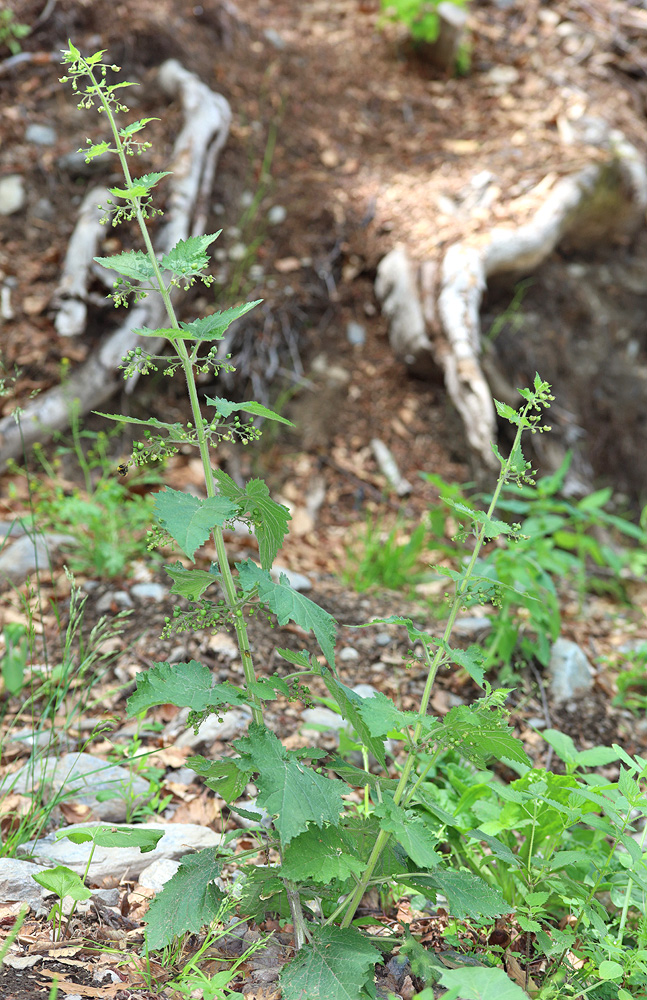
(336, 964)
(225, 408)
(190, 520)
(289, 605)
(189, 583)
(189, 256)
(188, 901)
(132, 264)
(187, 685)
(269, 519)
(214, 326)
(295, 794)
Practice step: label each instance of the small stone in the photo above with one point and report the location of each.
(118, 597)
(276, 215)
(234, 723)
(256, 272)
(324, 718)
(536, 722)
(347, 654)
(245, 200)
(382, 639)
(156, 875)
(148, 591)
(274, 39)
(365, 690)
(296, 580)
(12, 194)
(355, 334)
(29, 552)
(237, 252)
(571, 674)
(40, 135)
(502, 76)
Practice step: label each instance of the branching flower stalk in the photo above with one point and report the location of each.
(137, 204)
(513, 468)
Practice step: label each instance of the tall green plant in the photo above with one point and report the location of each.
(327, 852)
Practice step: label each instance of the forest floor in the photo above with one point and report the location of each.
(364, 147)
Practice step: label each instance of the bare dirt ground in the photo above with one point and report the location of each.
(369, 148)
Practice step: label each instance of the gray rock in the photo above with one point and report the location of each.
(156, 875)
(17, 885)
(296, 580)
(473, 626)
(12, 194)
(178, 840)
(234, 723)
(348, 655)
(40, 135)
(356, 334)
(321, 717)
(383, 639)
(148, 591)
(21, 558)
(118, 597)
(82, 777)
(571, 674)
(276, 215)
(365, 690)
(274, 39)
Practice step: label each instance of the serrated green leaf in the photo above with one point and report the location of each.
(563, 859)
(467, 895)
(228, 777)
(472, 660)
(189, 256)
(492, 528)
(188, 901)
(382, 716)
(500, 850)
(189, 583)
(176, 432)
(410, 831)
(64, 882)
(480, 735)
(294, 794)
(262, 891)
(356, 777)
(289, 605)
(321, 855)
(350, 706)
(269, 519)
(299, 659)
(214, 326)
(132, 264)
(268, 688)
(188, 519)
(225, 407)
(473, 983)
(114, 836)
(187, 685)
(129, 130)
(336, 964)
(98, 149)
(506, 412)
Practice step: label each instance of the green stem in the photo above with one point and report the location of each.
(228, 583)
(433, 663)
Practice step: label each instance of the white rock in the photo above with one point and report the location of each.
(365, 690)
(21, 558)
(296, 580)
(348, 654)
(322, 718)
(156, 875)
(571, 674)
(17, 885)
(276, 215)
(83, 777)
(40, 135)
(234, 723)
(178, 840)
(149, 591)
(12, 194)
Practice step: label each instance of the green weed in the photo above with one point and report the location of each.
(11, 32)
(425, 826)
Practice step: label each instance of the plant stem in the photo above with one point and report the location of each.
(434, 663)
(228, 584)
